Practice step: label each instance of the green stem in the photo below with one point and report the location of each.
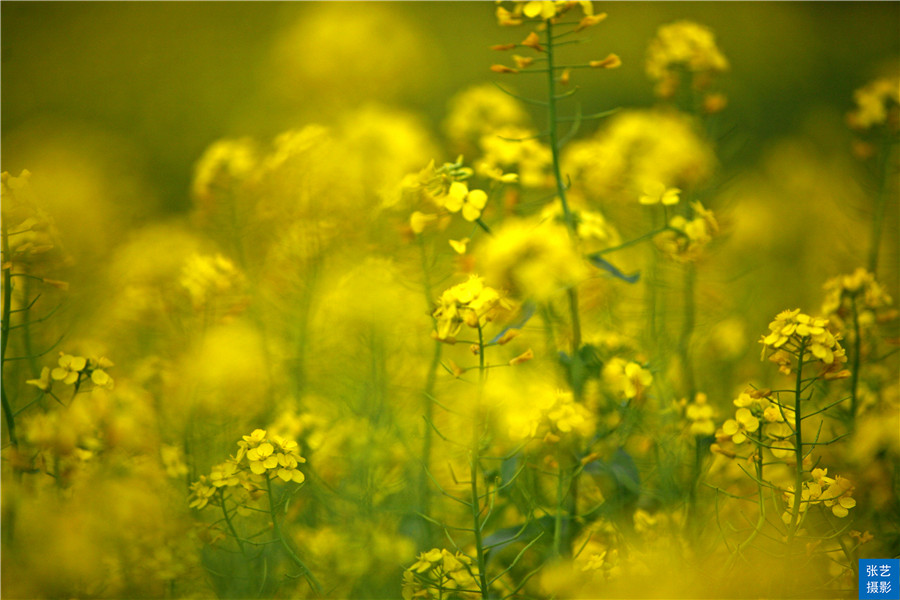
(4, 330)
(568, 217)
(427, 396)
(880, 203)
(854, 374)
(798, 445)
(637, 240)
(761, 521)
(687, 329)
(230, 524)
(313, 582)
(560, 498)
(473, 472)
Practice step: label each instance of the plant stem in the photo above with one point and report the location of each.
(880, 203)
(568, 217)
(687, 329)
(230, 524)
(4, 330)
(313, 582)
(473, 472)
(427, 396)
(798, 445)
(854, 373)
(560, 498)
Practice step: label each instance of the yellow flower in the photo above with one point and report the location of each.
(225, 475)
(658, 193)
(69, 368)
(201, 492)
(700, 414)
(459, 246)
(545, 9)
(471, 302)
(683, 45)
(418, 221)
(470, 202)
(612, 61)
(533, 259)
(44, 382)
(792, 332)
(743, 423)
(628, 378)
(874, 102)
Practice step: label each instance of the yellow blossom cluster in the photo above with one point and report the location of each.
(686, 239)
(512, 148)
(471, 303)
(533, 259)
(444, 187)
(700, 415)
(479, 111)
(75, 370)
(835, 493)
(440, 574)
(859, 288)
(594, 230)
(797, 336)
(544, 10)
(267, 457)
(759, 411)
(637, 150)
(552, 416)
(683, 45)
(627, 378)
(225, 164)
(877, 103)
(207, 277)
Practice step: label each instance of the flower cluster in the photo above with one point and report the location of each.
(267, 457)
(686, 239)
(859, 288)
(797, 336)
(834, 493)
(700, 415)
(638, 149)
(446, 188)
(656, 192)
(440, 574)
(759, 411)
(479, 111)
(75, 370)
(533, 259)
(877, 103)
(544, 10)
(516, 149)
(627, 378)
(552, 415)
(683, 45)
(471, 303)
(206, 277)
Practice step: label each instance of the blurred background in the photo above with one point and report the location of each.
(139, 89)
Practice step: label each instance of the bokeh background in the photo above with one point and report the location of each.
(157, 82)
(110, 106)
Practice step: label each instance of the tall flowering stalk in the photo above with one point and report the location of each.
(244, 478)
(797, 341)
(548, 17)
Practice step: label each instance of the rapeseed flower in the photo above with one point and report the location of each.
(471, 303)
(683, 45)
(877, 103)
(532, 259)
(793, 333)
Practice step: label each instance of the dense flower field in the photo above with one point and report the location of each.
(541, 346)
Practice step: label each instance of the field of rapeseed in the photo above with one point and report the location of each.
(449, 300)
